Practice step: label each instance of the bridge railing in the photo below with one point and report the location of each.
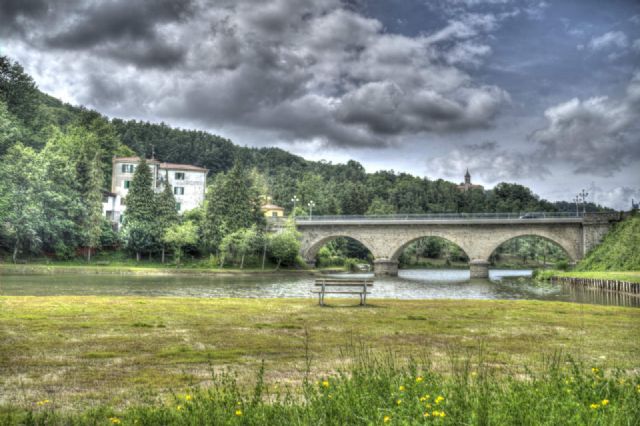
(443, 216)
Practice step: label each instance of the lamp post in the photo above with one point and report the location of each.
(294, 200)
(311, 205)
(583, 194)
(576, 200)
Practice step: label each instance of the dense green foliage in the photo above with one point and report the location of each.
(380, 390)
(619, 251)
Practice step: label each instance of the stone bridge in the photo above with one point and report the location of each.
(478, 235)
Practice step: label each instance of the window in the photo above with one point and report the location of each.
(127, 183)
(178, 190)
(178, 206)
(179, 176)
(274, 214)
(105, 199)
(128, 168)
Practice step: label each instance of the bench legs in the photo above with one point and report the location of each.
(363, 299)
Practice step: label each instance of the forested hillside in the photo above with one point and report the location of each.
(56, 159)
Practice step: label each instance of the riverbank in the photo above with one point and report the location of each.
(84, 351)
(628, 276)
(144, 269)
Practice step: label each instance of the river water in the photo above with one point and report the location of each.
(410, 284)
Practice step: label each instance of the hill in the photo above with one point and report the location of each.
(619, 251)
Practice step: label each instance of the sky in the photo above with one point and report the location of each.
(542, 93)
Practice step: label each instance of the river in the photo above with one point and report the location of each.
(410, 284)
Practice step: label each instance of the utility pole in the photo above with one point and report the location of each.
(583, 194)
(576, 200)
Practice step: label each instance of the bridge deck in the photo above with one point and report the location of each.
(445, 219)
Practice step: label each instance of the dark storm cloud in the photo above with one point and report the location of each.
(116, 20)
(13, 13)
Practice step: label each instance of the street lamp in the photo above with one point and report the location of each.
(311, 205)
(294, 200)
(583, 194)
(576, 200)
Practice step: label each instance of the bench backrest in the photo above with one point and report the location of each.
(343, 283)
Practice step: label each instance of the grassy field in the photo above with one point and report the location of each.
(133, 269)
(81, 351)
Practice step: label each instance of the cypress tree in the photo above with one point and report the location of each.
(140, 216)
(232, 203)
(167, 214)
(93, 198)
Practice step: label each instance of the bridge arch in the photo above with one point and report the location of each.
(567, 246)
(311, 250)
(447, 237)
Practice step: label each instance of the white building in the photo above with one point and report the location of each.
(188, 183)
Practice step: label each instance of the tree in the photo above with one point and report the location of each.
(284, 246)
(167, 213)
(93, 200)
(140, 217)
(239, 244)
(180, 235)
(21, 215)
(18, 90)
(379, 207)
(10, 130)
(232, 203)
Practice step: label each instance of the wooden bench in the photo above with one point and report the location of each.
(343, 286)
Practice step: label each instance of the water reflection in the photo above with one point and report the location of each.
(410, 284)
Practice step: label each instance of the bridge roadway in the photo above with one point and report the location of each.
(478, 235)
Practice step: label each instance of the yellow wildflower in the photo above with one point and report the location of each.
(594, 406)
(474, 374)
(386, 419)
(187, 397)
(43, 402)
(439, 399)
(423, 399)
(604, 402)
(437, 413)
(238, 413)
(325, 383)
(426, 414)
(179, 408)
(638, 388)
(115, 420)
(398, 402)
(401, 388)
(595, 370)
(419, 379)
(621, 381)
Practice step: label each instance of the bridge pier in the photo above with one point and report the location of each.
(479, 268)
(385, 268)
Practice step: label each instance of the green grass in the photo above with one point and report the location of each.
(619, 250)
(149, 268)
(380, 389)
(88, 351)
(629, 276)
